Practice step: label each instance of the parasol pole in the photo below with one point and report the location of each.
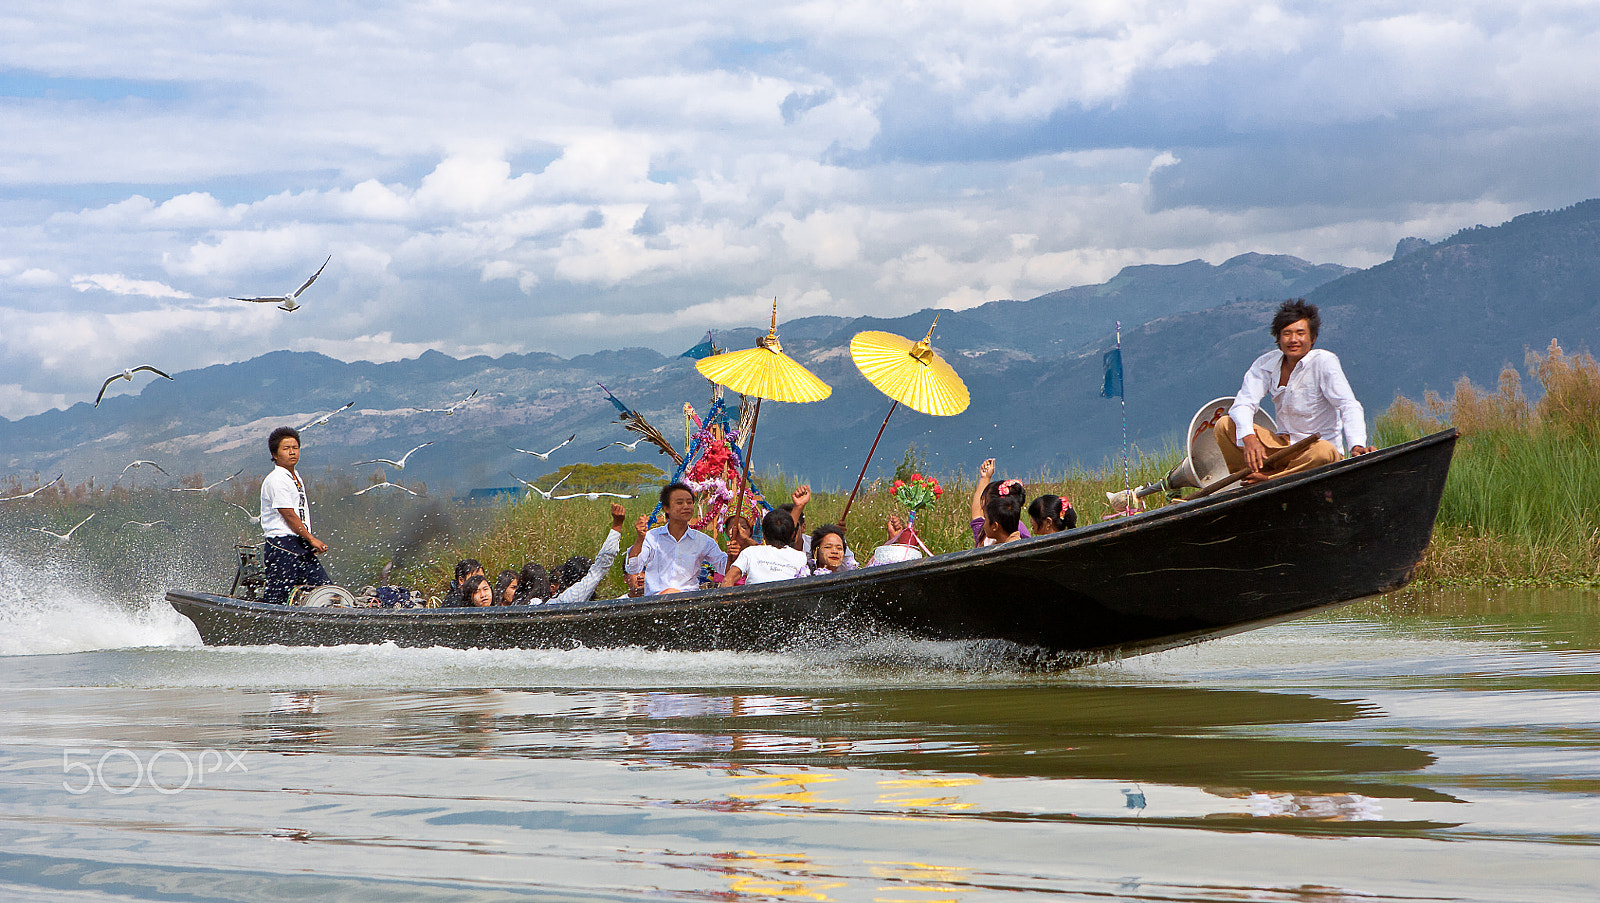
(750, 444)
(864, 464)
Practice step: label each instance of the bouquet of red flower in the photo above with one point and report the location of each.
(918, 492)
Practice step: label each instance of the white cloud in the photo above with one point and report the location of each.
(118, 284)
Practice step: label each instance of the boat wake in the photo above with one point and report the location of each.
(44, 612)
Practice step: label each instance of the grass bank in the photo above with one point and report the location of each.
(1522, 504)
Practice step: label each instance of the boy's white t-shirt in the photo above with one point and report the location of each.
(764, 564)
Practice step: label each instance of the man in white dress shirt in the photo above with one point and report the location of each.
(1309, 395)
(286, 523)
(670, 556)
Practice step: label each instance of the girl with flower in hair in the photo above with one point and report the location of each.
(987, 490)
(1051, 514)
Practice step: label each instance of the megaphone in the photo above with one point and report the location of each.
(1203, 463)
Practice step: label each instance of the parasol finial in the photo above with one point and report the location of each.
(923, 350)
(770, 340)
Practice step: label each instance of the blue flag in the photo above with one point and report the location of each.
(705, 349)
(1113, 387)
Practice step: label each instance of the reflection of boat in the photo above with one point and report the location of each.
(1180, 574)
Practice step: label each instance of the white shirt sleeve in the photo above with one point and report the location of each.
(584, 589)
(1248, 399)
(717, 558)
(1336, 389)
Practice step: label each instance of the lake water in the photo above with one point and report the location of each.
(1420, 747)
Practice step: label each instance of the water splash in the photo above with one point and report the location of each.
(46, 611)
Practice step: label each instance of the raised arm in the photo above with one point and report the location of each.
(584, 589)
(985, 474)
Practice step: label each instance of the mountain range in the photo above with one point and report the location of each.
(1466, 305)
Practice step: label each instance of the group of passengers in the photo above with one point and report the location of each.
(574, 580)
(670, 558)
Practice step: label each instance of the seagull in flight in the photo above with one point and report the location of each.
(29, 495)
(254, 518)
(145, 526)
(127, 375)
(382, 485)
(206, 488)
(545, 456)
(397, 465)
(543, 492)
(630, 446)
(324, 417)
(289, 302)
(67, 535)
(447, 410)
(591, 496)
(139, 464)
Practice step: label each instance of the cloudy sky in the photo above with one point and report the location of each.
(528, 176)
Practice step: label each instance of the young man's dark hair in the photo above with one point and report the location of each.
(278, 435)
(1294, 311)
(670, 488)
(466, 566)
(777, 527)
(569, 573)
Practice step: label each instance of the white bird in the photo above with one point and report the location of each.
(67, 535)
(545, 456)
(397, 465)
(254, 518)
(323, 418)
(145, 526)
(448, 410)
(290, 301)
(382, 485)
(207, 488)
(543, 492)
(591, 496)
(29, 495)
(127, 375)
(630, 446)
(139, 464)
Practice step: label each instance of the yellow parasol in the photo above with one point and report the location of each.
(764, 372)
(910, 373)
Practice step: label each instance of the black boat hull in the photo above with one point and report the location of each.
(1231, 562)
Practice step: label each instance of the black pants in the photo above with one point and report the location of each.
(290, 563)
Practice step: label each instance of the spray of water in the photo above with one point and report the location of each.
(47, 609)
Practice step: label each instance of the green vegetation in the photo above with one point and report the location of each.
(1523, 499)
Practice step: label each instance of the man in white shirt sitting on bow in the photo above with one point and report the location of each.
(670, 556)
(1309, 395)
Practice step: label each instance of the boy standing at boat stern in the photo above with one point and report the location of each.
(292, 550)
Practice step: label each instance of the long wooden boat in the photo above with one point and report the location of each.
(1184, 573)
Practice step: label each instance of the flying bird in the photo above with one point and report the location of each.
(591, 496)
(254, 518)
(447, 410)
(127, 375)
(543, 492)
(67, 535)
(321, 419)
(207, 488)
(145, 526)
(290, 301)
(139, 464)
(630, 446)
(397, 465)
(545, 456)
(29, 495)
(382, 485)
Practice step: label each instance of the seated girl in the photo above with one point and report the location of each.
(1051, 514)
(1002, 517)
(983, 493)
(505, 588)
(828, 552)
(775, 560)
(477, 592)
